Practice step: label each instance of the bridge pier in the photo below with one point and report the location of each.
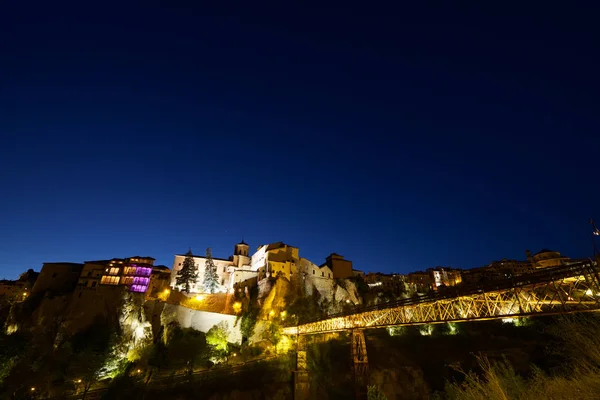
(301, 377)
(360, 364)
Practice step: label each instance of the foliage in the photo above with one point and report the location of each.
(274, 332)
(373, 393)
(328, 364)
(211, 279)
(247, 324)
(580, 337)
(188, 273)
(125, 387)
(304, 309)
(90, 350)
(187, 349)
(11, 347)
(217, 337)
(580, 340)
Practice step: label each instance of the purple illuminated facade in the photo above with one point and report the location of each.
(133, 275)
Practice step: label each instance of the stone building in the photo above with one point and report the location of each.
(506, 269)
(395, 284)
(138, 274)
(18, 290)
(270, 260)
(547, 258)
(340, 267)
(420, 281)
(434, 278)
(236, 268)
(57, 277)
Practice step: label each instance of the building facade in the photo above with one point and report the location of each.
(137, 274)
(57, 277)
(275, 260)
(15, 291)
(434, 278)
(396, 284)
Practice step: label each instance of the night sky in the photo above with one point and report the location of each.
(401, 138)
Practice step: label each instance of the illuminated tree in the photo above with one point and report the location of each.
(211, 279)
(217, 337)
(188, 273)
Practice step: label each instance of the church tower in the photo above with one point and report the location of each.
(240, 254)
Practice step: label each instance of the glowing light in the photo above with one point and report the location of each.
(78, 380)
(589, 292)
(199, 297)
(234, 354)
(32, 389)
(508, 320)
(139, 370)
(237, 307)
(283, 314)
(271, 313)
(426, 330)
(347, 301)
(167, 291)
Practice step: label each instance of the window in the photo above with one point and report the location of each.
(109, 280)
(114, 271)
(89, 273)
(129, 270)
(329, 275)
(223, 269)
(313, 271)
(94, 283)
(322, 273)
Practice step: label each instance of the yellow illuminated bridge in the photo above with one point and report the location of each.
(549, 291)
(558, 290)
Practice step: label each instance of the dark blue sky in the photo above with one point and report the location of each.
(402, 138)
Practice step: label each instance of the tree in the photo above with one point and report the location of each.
(211, 279)
(375, 394)
(188, 273)
(187, 350)
(217, 337)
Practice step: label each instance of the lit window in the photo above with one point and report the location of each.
(109, 280)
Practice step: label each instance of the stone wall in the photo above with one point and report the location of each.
(201, 320)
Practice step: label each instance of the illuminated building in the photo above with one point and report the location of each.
(340, 267)
(273, 260)
(138, 274)
(506, 269)
(434, 278)
(391, 283)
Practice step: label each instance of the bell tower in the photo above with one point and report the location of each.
(241, 249)
(240, 254)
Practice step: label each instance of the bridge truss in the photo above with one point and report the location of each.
(559, 290)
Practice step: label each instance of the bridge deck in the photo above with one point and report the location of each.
(558, 290)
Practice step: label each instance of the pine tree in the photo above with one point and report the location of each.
(211, 279)
(188, 273)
